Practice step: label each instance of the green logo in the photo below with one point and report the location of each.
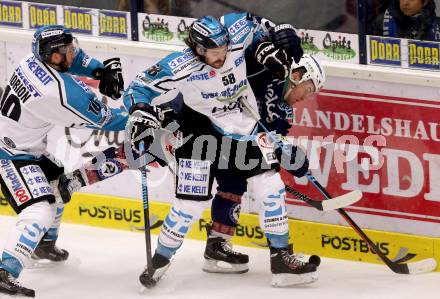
(182, 30)
(157, 31)
(339, 49)
(307, 44)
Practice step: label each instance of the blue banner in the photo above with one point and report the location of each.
(385, 51)
(423, 55)
(11, 14)
(113, 23)
(78, 20)
(42, 15)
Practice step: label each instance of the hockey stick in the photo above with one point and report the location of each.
(329, 205)
(146, 207)
(423, 266)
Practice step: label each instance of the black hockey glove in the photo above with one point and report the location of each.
(275, 60)
(284, 37)
(70, 183)
(144, 119)
(110, 78)
(292, 159)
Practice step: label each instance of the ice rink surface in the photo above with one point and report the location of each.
(106, 264)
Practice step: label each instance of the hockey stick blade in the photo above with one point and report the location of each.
(342, 201)
(419, 267)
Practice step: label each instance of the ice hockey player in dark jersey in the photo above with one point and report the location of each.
(211, 78)
(275, 98)
(41, 94)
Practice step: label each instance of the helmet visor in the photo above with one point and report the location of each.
(71, 48)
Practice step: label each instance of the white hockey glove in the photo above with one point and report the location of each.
(275, 60)
(111, 82)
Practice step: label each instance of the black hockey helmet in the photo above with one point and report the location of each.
(50, 39)
(207, 33)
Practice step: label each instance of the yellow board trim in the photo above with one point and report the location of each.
(326, 240)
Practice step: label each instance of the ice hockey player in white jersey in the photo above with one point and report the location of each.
(41, 94)
(210, 77)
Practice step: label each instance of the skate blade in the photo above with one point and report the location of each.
(17, 296)
(212, 266)
(48, 264)
(287, 280)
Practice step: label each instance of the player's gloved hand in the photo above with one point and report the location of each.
(284, 37)
(275, 60)
(144, 119)
(292, 159)
(110, 78)
(70, 183)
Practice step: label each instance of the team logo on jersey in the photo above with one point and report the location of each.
(234, 107)
(94, 106)
(41, 74)
(8, 141)
(201, 77)
(263, 141)
(86, 61)
(228, 95)
(14, 182)
(106, 116)
(143, 79)
(234, 213)
(109, 168)
(237, 26)
(154, 70)
(176, 62)
(239, 60)
(240, 35)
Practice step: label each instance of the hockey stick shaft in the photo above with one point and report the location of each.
(419, 267)
(146, 207)
(337, 202)
(358, 230)
(314, 203)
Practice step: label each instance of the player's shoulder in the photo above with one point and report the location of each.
(239, 26)
(36, 77)
(175, 64)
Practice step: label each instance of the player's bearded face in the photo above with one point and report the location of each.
(63, 59)
(298, 92)
(216, 57)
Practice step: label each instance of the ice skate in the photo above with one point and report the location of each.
(220, 258)
(288, 270)
(48, 255)
(152, 275)
(11, 287)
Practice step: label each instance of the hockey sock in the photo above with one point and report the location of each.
(33, 223)
(268, 189)
(178, 222)
(225, 212)
(52, 233)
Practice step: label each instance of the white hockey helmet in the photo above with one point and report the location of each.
(313, 71)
